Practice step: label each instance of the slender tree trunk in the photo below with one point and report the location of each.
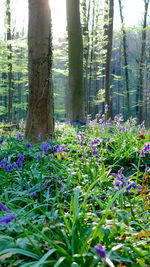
(19, 97)
(40, 118)
(124, 39)
(108, 33)
(86, 47)
(76, 109)
(142, 65)
(89, 109)
(9, 57)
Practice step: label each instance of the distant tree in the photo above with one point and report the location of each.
(142, 63)
(76, 109)
(9, 57)
(40, 121)
(108, 34)
(86, 7)
(124, 40)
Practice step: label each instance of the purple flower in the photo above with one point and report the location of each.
(121, 181)
(145, 149)
(28, 145)
(10, 168)
(101, 251)
(81, 138)
(32, 194)
(20, 136)
(4, 208)
(3, 163)
(20, 160)
(59, 148)
(131, 185)
(118, 118)
(7, 219)
(38, 158)
(45, 148)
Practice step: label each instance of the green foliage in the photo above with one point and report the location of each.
(65, 197)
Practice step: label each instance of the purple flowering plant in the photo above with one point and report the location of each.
(8, 218)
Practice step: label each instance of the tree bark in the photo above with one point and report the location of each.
(142, 65)
(40, 118)
(9, 57)
(76, 109)
(86, 48)
(124, 39)
(108, 32)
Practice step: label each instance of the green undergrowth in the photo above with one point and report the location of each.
(88, 187)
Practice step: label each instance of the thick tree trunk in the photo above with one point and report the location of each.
(40, 120)
(76, 110)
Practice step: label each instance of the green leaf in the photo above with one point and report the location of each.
(42, 260)
(19, 251)
(59, 261)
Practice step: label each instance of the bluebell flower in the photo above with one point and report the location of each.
(3, 163)
(4, 208)
(145, 149)
(33, 194)
(81, 138)
(59, 148)
(28, 145)
(20, 136)
(101, 251)
(7, 219)
(45, 148)
(20, 161)
(121, 181)
(10, 167)
(38, 158)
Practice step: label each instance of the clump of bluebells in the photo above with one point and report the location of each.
(8, 218)
(145, 150)
(4, 164)
(121, 181)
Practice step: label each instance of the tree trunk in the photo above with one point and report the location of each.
(125, 59)
(40, 118)
(142, 65)
(9, 57)
(108, 32)
(91, 98)
(86, 47)
(76, 110)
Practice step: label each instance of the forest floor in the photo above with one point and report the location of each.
(78, 200)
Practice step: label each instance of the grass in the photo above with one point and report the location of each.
(78, 200)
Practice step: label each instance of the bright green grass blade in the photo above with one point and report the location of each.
(43, 259)
(20, 251)
(59, 261)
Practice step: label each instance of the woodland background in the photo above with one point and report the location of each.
(129, 62)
